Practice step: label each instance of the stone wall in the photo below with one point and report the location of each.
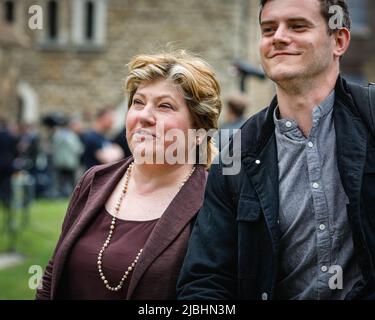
(78, 79)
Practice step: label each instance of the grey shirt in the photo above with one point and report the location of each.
(316, 240)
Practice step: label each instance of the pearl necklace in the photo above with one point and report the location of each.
(112, 228)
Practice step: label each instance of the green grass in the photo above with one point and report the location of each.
(35, 242)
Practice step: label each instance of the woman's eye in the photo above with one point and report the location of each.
(137, 101)
(166, 106)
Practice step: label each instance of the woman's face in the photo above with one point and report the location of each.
(159, 113)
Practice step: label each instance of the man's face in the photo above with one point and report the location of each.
(295, 43)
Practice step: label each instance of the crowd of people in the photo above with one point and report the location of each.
(55, 152)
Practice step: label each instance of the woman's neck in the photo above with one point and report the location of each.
(148, 178)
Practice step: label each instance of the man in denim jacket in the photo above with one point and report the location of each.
(298, 220)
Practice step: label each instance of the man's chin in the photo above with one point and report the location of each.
(281, 76)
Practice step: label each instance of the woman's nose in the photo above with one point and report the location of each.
(147, 115)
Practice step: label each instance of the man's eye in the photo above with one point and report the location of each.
(267, 30)
(298, 27)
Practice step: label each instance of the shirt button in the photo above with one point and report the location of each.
(310, 144)
(257, 161)
(324, 269)
(322, 227)
(264, 296)
(315, 185)
(288, 124)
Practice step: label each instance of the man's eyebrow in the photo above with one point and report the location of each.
(300, 19)
(267, 22)
(294, 19)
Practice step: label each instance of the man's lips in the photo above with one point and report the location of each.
(283, 54)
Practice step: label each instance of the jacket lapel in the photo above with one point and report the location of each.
(175, 218)
(351, 141)
(263, 173)
(103, 183)
(259, 159)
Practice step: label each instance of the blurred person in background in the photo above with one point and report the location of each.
(128, 224)
(120, 139)
(28, 147)
(98, 148)
(8, 154)
(67, 149)
(237, 106)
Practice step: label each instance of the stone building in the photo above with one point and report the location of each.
(76, 63)
(11, 45)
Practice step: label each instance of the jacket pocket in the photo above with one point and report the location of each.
(368, 188)
(370, 162)
(249, 228)
(248, 210)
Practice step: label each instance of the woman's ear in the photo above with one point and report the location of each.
(342, 40)
(200, 136)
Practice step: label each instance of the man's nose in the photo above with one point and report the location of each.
(281, 35)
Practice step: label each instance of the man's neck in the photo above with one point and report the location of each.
(296, 100)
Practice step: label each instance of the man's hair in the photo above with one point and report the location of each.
(324, 10)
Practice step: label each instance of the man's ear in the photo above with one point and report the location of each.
(342, 40)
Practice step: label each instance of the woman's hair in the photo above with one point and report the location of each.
(193, 75)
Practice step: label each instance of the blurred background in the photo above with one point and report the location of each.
(61, 93)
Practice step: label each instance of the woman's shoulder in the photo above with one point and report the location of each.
(113, 166)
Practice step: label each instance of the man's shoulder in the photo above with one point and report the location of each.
(256, 121)
(251, 134)
(255, 126)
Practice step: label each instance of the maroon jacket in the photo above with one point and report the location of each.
(155, 274)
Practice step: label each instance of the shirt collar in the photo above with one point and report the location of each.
(284, 125)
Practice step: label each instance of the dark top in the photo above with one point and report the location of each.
(155, 274)
(93, 142)
(81, 276)
(120, 139)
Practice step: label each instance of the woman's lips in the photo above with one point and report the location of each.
(144, 133)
